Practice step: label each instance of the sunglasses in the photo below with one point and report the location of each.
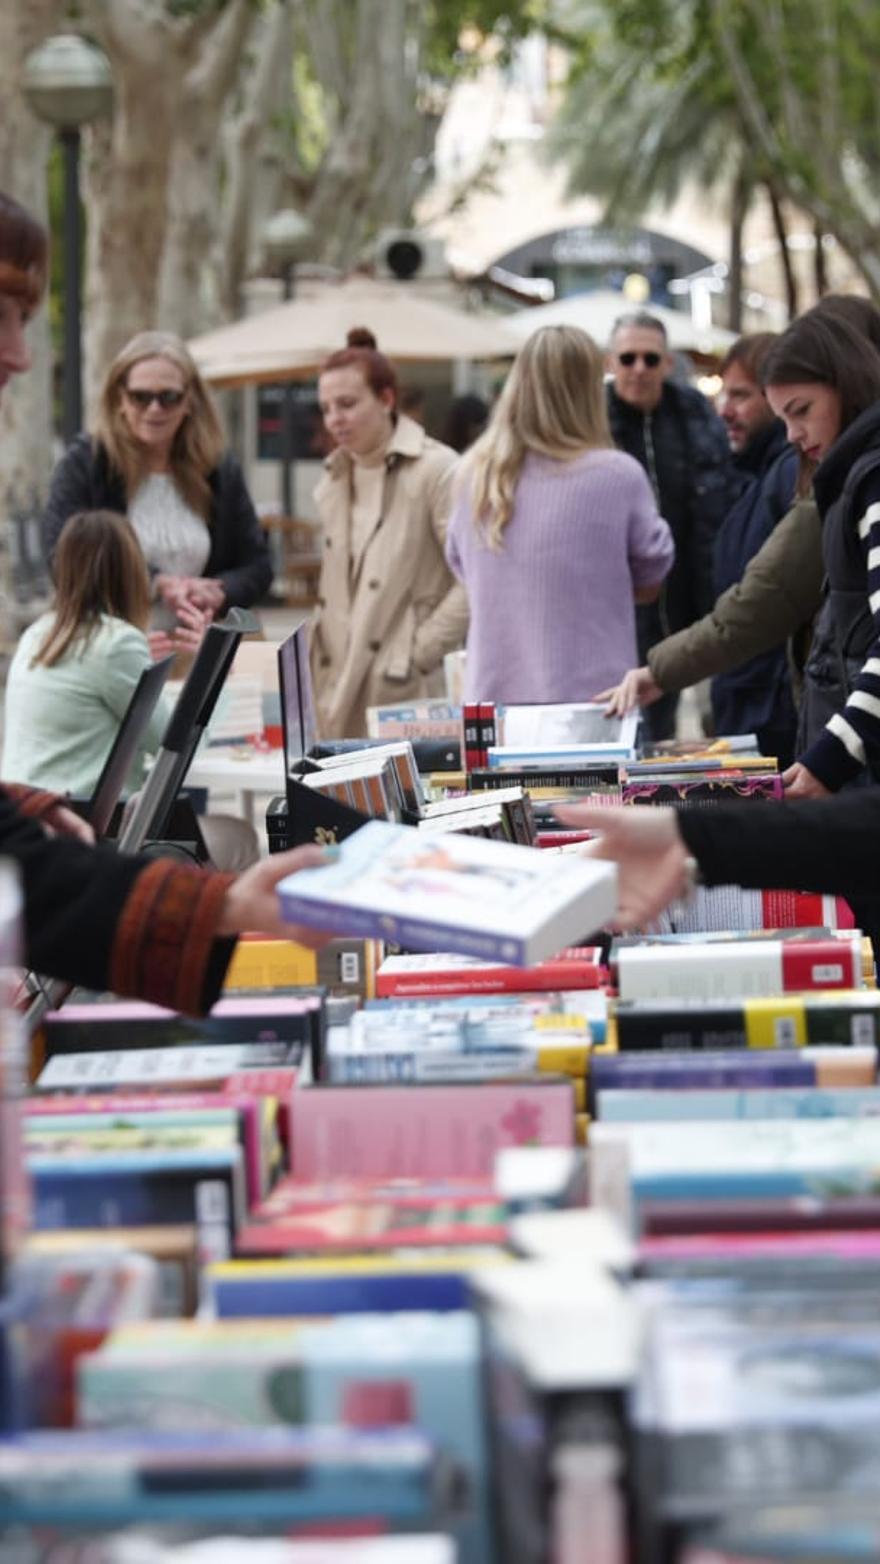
(165, 399)
(650, 360)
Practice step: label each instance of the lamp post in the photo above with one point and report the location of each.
(286, 237)
(67, 82)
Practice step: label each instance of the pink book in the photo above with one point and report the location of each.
(423, 1131)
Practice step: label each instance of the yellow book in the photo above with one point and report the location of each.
(271, 963)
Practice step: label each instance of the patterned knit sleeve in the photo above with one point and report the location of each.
(851, 739)
(650, 546)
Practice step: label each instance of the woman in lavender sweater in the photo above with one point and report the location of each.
(554, 533)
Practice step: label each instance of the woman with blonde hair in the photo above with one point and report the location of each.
(555, 534)
(158, 455)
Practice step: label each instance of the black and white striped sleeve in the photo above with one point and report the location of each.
(851, 739)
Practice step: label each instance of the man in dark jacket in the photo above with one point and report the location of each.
(756, 696)
(673, 432)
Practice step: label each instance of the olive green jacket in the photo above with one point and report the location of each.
(777, 596)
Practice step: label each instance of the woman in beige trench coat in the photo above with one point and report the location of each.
(388, 607)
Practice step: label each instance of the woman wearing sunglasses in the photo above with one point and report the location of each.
(158, 455)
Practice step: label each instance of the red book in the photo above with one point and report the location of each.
(470, 747)
(821, 963)
(487, 730)
(412, 976)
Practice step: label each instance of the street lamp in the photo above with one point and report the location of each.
(286, 237)
(67, 82)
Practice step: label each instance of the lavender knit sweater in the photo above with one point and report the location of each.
(552, 611)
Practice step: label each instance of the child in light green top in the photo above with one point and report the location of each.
(75, 670)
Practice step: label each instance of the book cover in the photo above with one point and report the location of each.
(713, 788)
(850, 1018)
(423, 1131)
(683, 1070)
(584, 724)
(345, 1284)
(736, 969)
(161, 1067)
(805, 1102)
(481, 898)
(577, 967)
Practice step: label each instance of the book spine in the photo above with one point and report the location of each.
(609, 1072)
(490, 980)
(488, 728)
(253, 1298)
(470, 739)
(831, 963)
(411, 933)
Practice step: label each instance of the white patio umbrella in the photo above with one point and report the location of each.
(292, 340)
(596, 313)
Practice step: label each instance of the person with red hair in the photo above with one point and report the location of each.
(388, 606)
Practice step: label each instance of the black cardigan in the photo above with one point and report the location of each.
(239, 557)
(828, 845)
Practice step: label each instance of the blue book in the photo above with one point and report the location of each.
(161, 1187)
(247, 1289)
(251, 1477)
(804, 1102)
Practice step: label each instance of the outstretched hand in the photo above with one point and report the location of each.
(636, 688)
(652, 860)
(800, 783)
(252, 906)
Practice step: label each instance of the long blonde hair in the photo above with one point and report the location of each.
(99, 569)
(553, 403)
(199, 442)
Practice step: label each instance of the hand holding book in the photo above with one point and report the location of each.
(653, 865)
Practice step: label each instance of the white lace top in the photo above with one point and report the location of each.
(175, 539)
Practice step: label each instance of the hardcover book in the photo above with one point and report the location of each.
(481, 898)
(577, 967)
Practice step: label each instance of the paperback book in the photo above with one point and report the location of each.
(480, 898)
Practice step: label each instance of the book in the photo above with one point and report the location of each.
(556, 781)
(157, 1067)
(803, 1102)
(425, 719)
(714, 787)
(737, 968)
(362, 1371)
(130, 1023)
(476, 897)
(577, 967)
(584, 725)
(423, 1131)
(348, 1284)
(759, 1157)
(741, 1070)
(95, 1480)
(847, 1017)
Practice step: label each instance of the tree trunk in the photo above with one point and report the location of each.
(183, 303)
(739, 207)
(254, 157)
(820, 269)
(26, 403)
(792, 299)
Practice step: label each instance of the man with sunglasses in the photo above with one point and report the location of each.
(672, 430)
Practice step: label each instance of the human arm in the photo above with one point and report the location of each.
(73, 488)
(636, 688)
(850, 739)
(650, 545)
(828, 846)
(445, 630)
(239, 559)
(779, 592)
(148, 928)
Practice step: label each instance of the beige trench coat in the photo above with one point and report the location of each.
(387, 617)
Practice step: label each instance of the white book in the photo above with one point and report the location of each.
(453, 893)
(566, 726)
